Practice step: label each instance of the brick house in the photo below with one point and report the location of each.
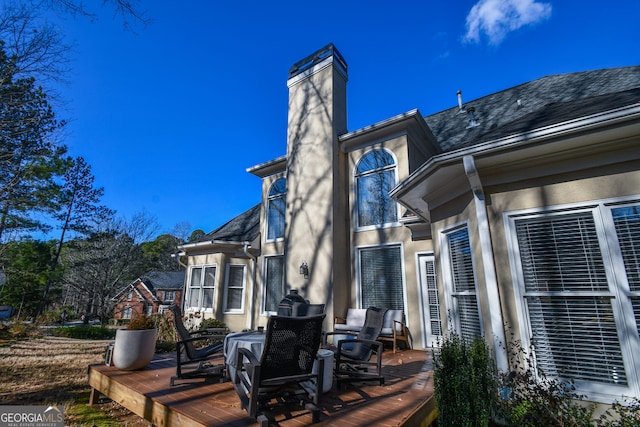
(149, 294)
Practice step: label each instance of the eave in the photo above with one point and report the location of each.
(238, 249)
(402, 124)
(271, 167)
(442, 178)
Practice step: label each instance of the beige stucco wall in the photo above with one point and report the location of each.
(234, 321)
(563, 192)
(575, 188)
(397, 234)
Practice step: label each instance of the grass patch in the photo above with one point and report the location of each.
(53, 371)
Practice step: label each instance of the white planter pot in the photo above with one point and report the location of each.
(134, 349)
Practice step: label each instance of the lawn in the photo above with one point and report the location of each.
(53, 371)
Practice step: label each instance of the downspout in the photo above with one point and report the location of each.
(186, 268)
(250, 320)
(490, 278)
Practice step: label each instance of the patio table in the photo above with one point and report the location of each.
(254, 341)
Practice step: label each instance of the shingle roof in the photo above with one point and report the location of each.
(243, 228)
(163, 279)
(500, 113)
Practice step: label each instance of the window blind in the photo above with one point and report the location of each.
(381, 277)
(561, 253)
(574, 333)
(433, 298)
(464, 284)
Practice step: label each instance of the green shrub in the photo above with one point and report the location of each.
(84, 332)
(531, 399)
(464, 382)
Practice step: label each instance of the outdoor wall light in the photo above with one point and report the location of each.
(304, 269)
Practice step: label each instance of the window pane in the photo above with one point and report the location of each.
(381, 278)
(464, 284)
(207, 295)
(275, 218)
(576, 338)
(235, 286)
(274, 291)
(276, 209)
(194, 287)
(461, 262)
(378, 159)
(278, 187)
(209, 277)
(627, 222)
(375, 207)
(561, 253)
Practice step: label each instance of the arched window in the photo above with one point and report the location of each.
(276, 209)
(375, 177)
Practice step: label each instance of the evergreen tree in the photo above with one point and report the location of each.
(75, 208)
(29, 157)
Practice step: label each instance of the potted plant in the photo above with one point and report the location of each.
(135, 346)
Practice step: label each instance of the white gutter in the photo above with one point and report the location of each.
(250, 320)
(610, 117)
(488, 264)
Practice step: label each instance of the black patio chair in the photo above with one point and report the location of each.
(283, 374)
(353, 357)
(199, 362)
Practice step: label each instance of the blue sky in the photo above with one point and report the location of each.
(171, 116)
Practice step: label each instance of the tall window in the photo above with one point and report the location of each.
(381, 277)
(234, 288)
(462, 284)
(431, 302)
(201, 286)
(375, 177)
(579, 274)
(276, 209)
(126, 313)
(274, 282)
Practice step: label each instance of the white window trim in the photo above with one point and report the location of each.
(226, 288)
(359, 278)
(263, 311)
(629, 346)
(188, 293)
(451, 309)
(355, 176)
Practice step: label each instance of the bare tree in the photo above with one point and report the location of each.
(101, 265)
(34, 48)
(128, 10)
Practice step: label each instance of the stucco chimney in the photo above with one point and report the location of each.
(316, 210)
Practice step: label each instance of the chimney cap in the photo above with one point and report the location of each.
(311, 60)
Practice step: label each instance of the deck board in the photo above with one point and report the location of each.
(406, 398)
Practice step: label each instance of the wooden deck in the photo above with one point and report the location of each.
(406, 398)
